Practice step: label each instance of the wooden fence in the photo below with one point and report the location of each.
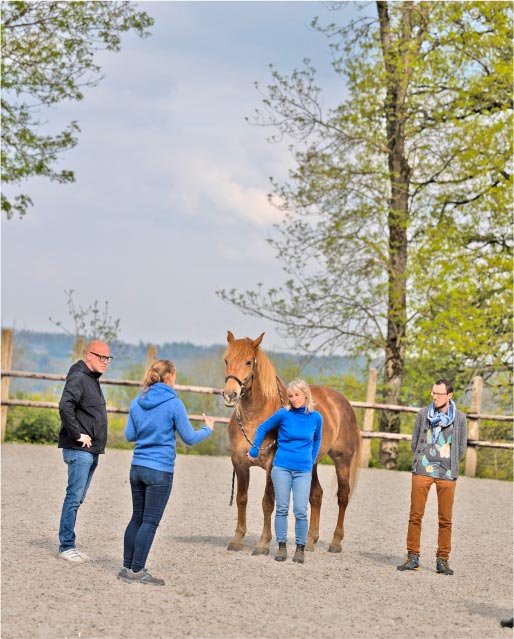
(473, 415)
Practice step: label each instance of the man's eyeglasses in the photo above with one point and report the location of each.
(103, 358)
(437, 394)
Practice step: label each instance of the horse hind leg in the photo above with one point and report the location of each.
(243, 480)
(268, 504)
(342, 467)
(315, 500)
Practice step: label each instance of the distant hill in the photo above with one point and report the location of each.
(201, 365)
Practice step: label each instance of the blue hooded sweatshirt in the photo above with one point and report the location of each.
(154, 417)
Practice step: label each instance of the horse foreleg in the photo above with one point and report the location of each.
(243, 479)
(343, 496)
(268, 504)
(315, 499)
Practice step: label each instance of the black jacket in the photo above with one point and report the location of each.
(82, 409)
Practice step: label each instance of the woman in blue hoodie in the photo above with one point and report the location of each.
(298, 443)
(154, 418)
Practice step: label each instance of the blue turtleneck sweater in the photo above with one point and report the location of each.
(299, 437)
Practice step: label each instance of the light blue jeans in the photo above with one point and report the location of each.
(285, 481)
(81, 466)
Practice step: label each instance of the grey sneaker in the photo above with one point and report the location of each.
(141, 577)
(412, 562)
(73, 555)
(122, 572)
(282, 551)
(442, 567)
(299, 555)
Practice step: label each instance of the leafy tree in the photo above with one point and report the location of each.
(397, 235)
(48, 56)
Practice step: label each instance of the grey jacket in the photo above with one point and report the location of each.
(458, 445)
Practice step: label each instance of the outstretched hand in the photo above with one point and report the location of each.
(209, 421)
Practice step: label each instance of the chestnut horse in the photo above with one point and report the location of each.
(252, 387)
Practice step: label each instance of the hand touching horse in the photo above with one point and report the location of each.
(252, 387)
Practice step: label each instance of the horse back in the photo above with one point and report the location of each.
(341, 432)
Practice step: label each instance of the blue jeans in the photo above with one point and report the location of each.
(299, 481)
(151, 490)
(81, 466)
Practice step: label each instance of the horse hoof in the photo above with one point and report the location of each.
(260, 551)
(235, 547)
(335, 549)
(309, 547)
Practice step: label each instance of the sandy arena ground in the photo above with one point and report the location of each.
(211, 592)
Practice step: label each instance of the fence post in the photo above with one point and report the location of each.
(474, 426)
(368, 417)
(151, 355)
(7, 344)
(79, 348)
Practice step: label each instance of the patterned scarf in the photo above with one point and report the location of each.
(440, 420)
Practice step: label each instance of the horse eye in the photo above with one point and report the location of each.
(249, 363)
(226, 363)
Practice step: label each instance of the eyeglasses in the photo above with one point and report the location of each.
(437, 394)
(103, 358)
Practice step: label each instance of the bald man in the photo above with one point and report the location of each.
(82, 437)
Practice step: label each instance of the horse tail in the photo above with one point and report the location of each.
(356, 459)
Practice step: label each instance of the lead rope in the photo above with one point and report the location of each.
(241, 428)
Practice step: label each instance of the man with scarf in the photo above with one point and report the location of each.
(439, 443)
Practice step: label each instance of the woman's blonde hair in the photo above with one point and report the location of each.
(302, 387)
(157, 372)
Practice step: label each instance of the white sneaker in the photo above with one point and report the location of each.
(72, 554)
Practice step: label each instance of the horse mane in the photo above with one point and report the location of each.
(267, 375)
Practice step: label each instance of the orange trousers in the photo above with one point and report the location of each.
(445, 488)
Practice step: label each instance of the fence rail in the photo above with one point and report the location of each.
(219, 391)
(370, 434)
(473, 415)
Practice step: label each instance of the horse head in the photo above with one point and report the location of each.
(240, 367)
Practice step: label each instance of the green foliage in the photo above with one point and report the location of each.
(33, 425)
(48, 56)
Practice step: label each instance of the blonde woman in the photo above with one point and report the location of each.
(298, 441)
(155, 417)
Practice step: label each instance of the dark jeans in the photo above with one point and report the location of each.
(81, 466)
(151, 490)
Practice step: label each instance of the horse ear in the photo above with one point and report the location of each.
(230, 337)
(257, 341)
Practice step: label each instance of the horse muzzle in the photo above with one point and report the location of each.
(230, 398)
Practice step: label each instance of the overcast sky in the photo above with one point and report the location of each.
(170, 199)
